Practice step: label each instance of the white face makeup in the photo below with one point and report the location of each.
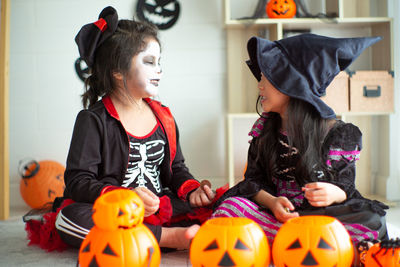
(145, 73)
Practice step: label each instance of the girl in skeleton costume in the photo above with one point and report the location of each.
(301, 159)
(127, 140)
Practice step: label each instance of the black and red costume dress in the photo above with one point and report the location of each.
(103, 156)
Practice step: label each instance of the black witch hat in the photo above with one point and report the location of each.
(304, 65)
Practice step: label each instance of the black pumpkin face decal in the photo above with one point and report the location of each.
(162, 13)
(226, 259)
(309, 259)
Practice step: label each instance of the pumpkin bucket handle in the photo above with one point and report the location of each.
(24, 168)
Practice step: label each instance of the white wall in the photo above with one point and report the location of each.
(45, 91)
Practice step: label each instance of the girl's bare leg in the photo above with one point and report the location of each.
(178, 237)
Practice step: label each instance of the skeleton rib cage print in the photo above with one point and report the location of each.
(145, 157)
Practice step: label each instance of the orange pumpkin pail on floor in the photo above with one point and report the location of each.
(42, 182)
(119, 238)
(227, 241)
(312, 240)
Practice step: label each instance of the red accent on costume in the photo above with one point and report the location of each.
(168, 123)
(163, 214)
(101, 24)
(44, 233)
(110, 107)
(201, 214)
(187, 187)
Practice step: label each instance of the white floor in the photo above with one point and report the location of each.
(393, 221)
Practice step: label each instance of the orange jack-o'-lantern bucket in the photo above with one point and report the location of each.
(41, 182)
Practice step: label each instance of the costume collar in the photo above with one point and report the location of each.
(111, 108)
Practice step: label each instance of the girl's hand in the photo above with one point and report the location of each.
(150, 200)
(202, 196)
(322, 194)
(281, 207)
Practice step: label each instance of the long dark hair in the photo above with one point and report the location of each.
(306, 131)
(115, 55)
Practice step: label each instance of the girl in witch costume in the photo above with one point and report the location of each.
(301, 159)
(125, 139)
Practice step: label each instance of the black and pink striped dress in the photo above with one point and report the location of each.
(363, 218)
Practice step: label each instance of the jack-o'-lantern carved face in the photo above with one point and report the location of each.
(230, 242)
(134, 246)
(162, 13)
(386, 253)
(121, 208)
(276, 9)
(312, 241)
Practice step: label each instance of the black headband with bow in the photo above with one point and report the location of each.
(92, 35)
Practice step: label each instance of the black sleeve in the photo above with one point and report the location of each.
(342, 149)
(343, 146)
(84, 159)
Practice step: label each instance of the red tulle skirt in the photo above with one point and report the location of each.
(44, 233)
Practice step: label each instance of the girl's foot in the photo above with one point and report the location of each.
(178, 237)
